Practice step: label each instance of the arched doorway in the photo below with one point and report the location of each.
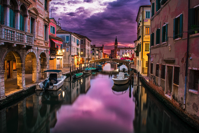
(30, 68)
(43, 65)
(13, 72)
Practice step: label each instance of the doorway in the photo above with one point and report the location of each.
(8, 69)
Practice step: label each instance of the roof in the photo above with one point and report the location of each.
(127, 48)
(140, 8)
(57, 38)
(53, 19)
(61, 31)
(56, 71)
(81, 36)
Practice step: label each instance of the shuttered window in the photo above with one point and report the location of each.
(1, 14)
(176, 75)
(147, 14)
(31, 25)
(163, 71)
(194, 20)
(157, 5)
(46, 5)
(158, 36)
(12, 18)
(165, 33)
(52, 29)
(152, 10)
(151, 68)
(21, 23)
(157, 70)
(152, 39)
(67, 38)
(178, 27)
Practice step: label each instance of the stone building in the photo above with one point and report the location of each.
(170, 36)
(56, 47)
(24, 44)
(142, 43)
(72, 41)
(85, 51)
(97, 52)
(123, 52)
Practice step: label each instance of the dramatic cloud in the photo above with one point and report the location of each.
(100, 20)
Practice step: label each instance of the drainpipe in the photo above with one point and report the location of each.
(187, 58)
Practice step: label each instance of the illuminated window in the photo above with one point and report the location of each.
(147, 30)
(14, 66)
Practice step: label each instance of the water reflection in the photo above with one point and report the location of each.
(89, 105)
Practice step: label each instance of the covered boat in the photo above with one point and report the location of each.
(121, 78)
(120, 88)
(77, 75)
(53, 82)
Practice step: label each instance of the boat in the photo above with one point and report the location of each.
(87, 71)
(77, 75)
(53, 82)
(121, 79)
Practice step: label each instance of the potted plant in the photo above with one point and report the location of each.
(194, 29)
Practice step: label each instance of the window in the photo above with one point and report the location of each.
(52, 29)
(176, 75)
(157, 5)
(147, 14)
(165, 33)
(151, 68)
(194, 20)
(67, 38)
(32, 21)
(46, 5)
(77, 42)
(2, 14)
(152, 39)
(12, 15)
(163, 72)
(157, 70)
(158, 36)
(82, 41)
(152, 10)
(147, 30)
(67, 49)
(194, 79)
(147, 47)
(178, 27)
(147, 64)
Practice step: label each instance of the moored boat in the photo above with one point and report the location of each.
(122, 78)
(77, 75)
(53, 82)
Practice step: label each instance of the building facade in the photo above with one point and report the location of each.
(56, 47)
(127, 52)
(170, 36)
(143, 38)
(97, 52)
(24, 43)
(71, 41)
(85, 51)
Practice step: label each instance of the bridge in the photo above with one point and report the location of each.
(127, 63)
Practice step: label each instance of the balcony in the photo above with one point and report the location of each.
(15, 36)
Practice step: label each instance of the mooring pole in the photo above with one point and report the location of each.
(138, 78)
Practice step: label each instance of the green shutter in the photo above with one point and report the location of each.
(2, 14)
(181, 25)
(163, 34)
(151, 40)
(152, 10)
(157, 36)
(174, 24)
(156, 5)
(166, 32)
(21, 22)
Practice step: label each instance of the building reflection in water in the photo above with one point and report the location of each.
(151, 116)
(37, 113)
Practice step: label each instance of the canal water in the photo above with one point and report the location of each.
(92, 104)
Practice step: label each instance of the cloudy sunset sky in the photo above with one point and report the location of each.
(99, 20)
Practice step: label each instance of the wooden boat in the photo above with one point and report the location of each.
(87, 71)
(121, 78)
(77, 75)
(53, 82)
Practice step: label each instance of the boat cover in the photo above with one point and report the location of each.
(56, 71)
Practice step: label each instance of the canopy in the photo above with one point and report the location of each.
(57, 42)
(123, 67)
(56, 71)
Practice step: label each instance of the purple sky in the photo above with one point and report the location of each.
(100, 20)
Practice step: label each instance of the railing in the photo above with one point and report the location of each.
(15, 36)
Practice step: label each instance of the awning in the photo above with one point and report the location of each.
(57, 42)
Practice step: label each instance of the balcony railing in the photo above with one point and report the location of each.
(16, 36)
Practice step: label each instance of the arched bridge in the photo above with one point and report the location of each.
(127, 63)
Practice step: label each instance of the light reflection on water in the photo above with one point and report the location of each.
(89, 105)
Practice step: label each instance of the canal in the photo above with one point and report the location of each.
(92, 104)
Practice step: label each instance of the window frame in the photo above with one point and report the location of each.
(148, 11)
(145, 47)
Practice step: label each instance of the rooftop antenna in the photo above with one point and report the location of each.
(58, 22)
(52, 12)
